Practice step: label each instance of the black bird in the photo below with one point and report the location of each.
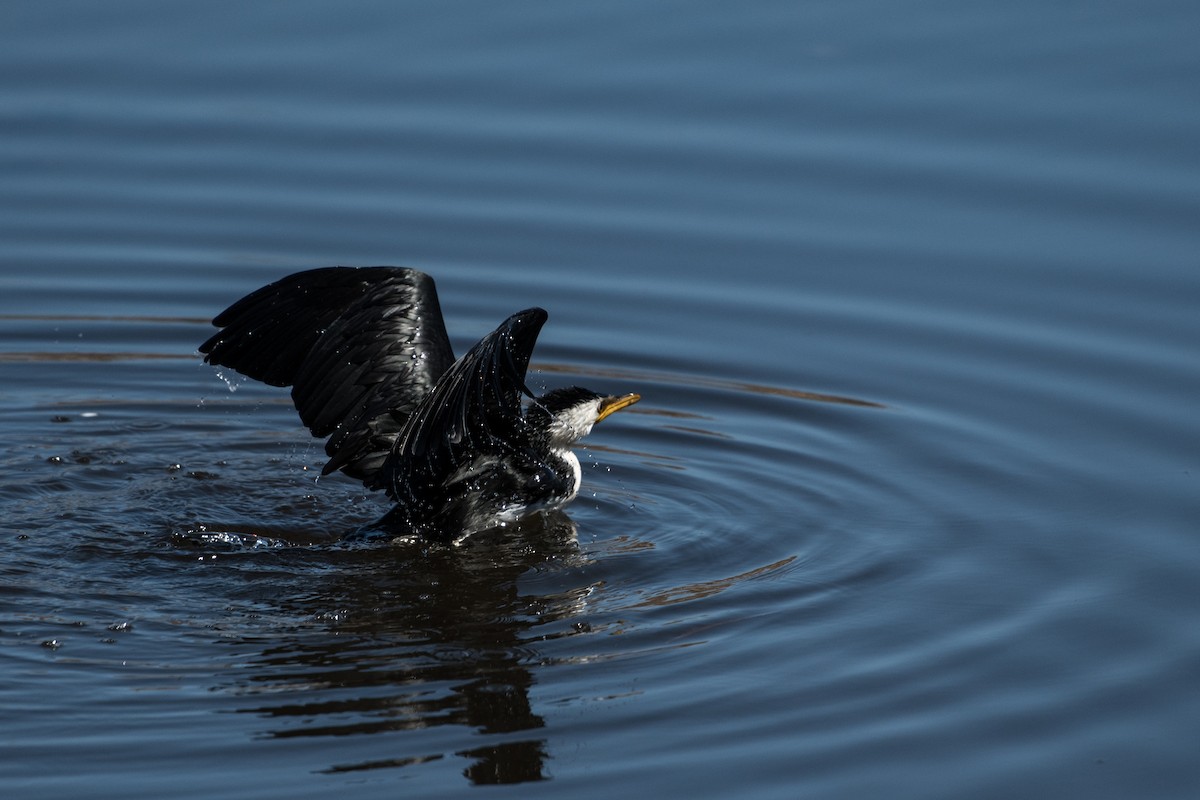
(366, 353)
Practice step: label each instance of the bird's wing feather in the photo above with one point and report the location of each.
(360, 348)
(474, 411)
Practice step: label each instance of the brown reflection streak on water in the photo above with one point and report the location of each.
(35, 358)
(155, 320)
(711, 383)
(573, 369)
(698, 591)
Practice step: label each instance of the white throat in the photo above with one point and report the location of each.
(573, 424)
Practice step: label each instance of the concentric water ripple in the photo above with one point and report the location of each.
(907, 510)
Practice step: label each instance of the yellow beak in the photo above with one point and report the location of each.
(610, 405)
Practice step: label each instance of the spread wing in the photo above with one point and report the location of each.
(360, 348)
(472, 415)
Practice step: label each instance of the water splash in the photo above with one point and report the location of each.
(232, 382)
(203, 538)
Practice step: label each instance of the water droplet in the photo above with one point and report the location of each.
(233, 383)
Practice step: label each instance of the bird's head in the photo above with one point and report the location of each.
(564, 416)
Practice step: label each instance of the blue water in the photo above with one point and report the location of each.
(908, 509)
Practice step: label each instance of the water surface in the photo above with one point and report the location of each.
(908, 508)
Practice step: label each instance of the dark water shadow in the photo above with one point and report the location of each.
(409, 636)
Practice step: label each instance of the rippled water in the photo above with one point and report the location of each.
(908, 508)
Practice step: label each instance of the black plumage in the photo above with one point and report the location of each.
(366, 353)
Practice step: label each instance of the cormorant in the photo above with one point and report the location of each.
(366, 353)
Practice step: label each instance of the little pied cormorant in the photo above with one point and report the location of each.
(366, 353)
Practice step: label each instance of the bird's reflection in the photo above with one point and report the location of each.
(407, 637)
